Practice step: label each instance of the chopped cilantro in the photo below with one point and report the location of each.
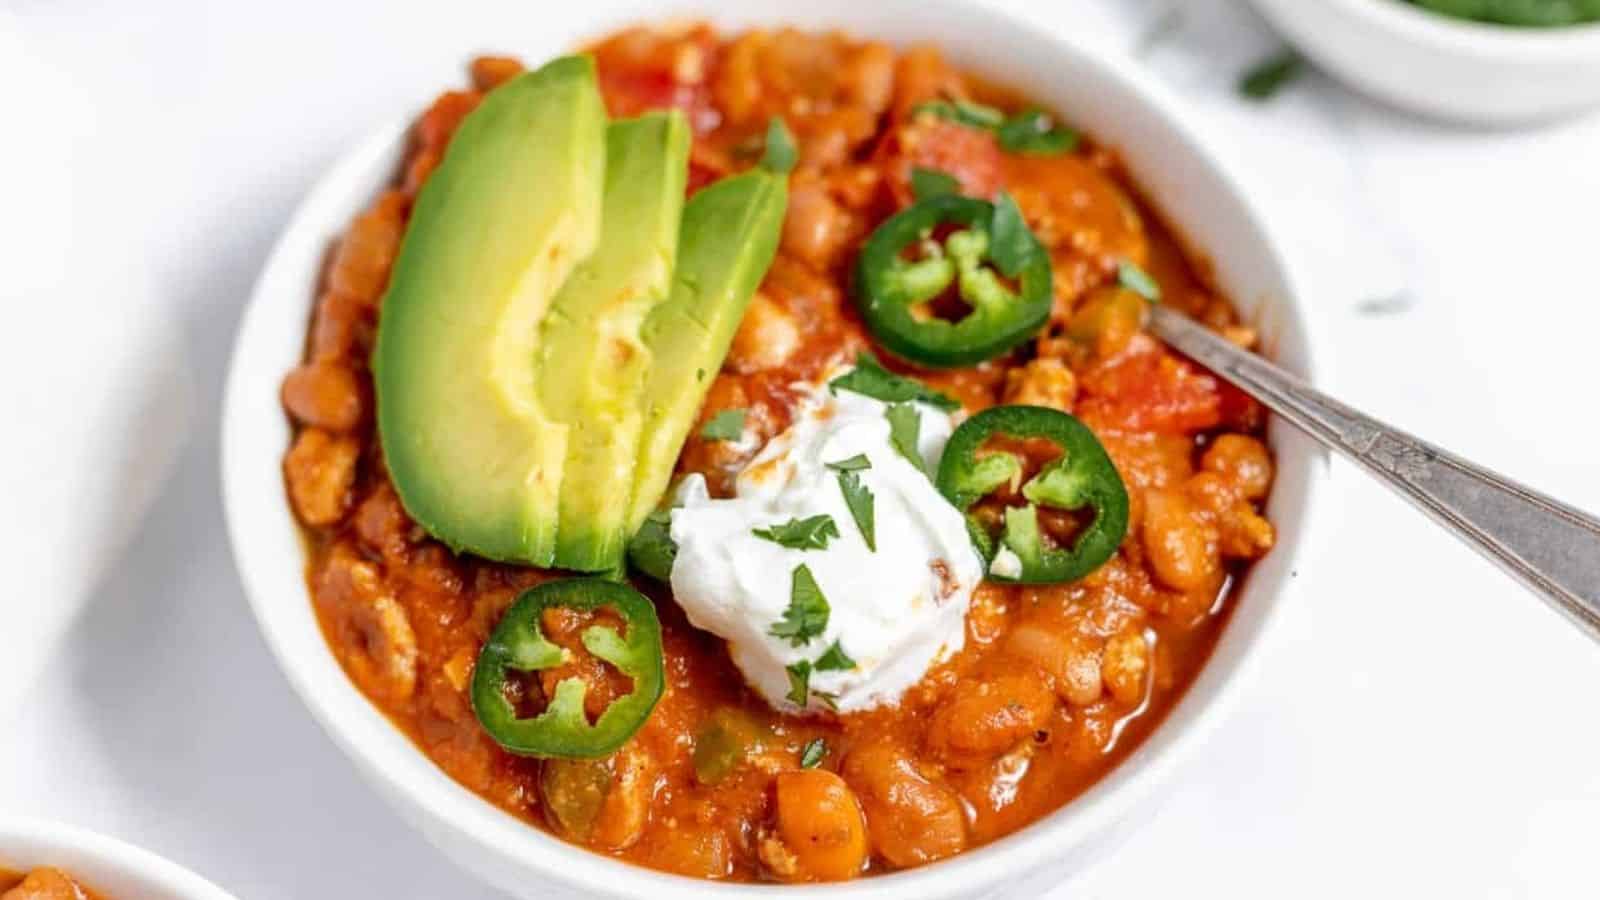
(1266, 78)
(807, 615)
(927, 183)
(835, 660)
(813, 753)
(810, 533)
(727, 425)
(905, 423)
(853, 464)
(652, 550)
(1011, 244)
(859, 499)
(964, 112)
(799, 682)
(781, 154)
(1033, 132)
(870, 379)
(1139, 281)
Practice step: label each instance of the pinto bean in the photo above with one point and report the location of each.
(1181, 549)
(341, 327)
(816, 229)
(819, 833)
(986, 717)
(911, 819)
(361, 264)
(489, 72)
(768, 336)
(1071, 660)
(325, 394)
(45, 884)
(1243, 461)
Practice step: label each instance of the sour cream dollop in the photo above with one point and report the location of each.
(895, 611)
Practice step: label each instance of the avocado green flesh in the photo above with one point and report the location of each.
(594, 361)
(514, 206)
(729, 236)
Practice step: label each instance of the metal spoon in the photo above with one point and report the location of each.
(1552, 548)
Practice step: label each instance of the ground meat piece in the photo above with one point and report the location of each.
(319, 470)
(1044, 382)
(1125, 667)
(378, 648)
(911, 819)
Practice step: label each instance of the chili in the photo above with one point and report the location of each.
(991, 241)
(518, 644)
(1082, 476)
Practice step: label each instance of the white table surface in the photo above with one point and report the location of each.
(1420, 724)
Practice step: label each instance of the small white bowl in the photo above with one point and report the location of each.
(1448, 68)
(1198, 194)
(109, 867)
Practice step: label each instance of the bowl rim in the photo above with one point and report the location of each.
(1075, 824)
(135, 863)
(1506, 43)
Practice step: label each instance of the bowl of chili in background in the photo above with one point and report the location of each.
(107, 868)
(1190, 185)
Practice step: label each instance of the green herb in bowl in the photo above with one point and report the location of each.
(1523, 13)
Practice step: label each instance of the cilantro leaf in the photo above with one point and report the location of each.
(781, 154)
(905, 423)
(1139, 281)
(813, 753)
(1264, 79)
(727, 425)
(1011, 244)
(853, 464)
(807, 615)
(859, 499)
(835, 660)
(799, 682)
(652, 550)
(927, 183)
(870, 379)
(964, 112)
(1033, 132)
(810, 533)
(831, 701)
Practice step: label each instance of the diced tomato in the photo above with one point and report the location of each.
(1145, 388)
(632, 92)
(927, 142)
(1240, 411)
(641, 70)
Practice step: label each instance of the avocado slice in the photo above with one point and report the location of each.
(498, 228)
(594, 361)
(729, 236)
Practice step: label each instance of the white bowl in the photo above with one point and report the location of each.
(109, 867)
(1198, 194)
(1449, 68)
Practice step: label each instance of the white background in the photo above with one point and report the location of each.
(1419, 724)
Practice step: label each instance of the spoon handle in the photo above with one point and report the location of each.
(1552, 548)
